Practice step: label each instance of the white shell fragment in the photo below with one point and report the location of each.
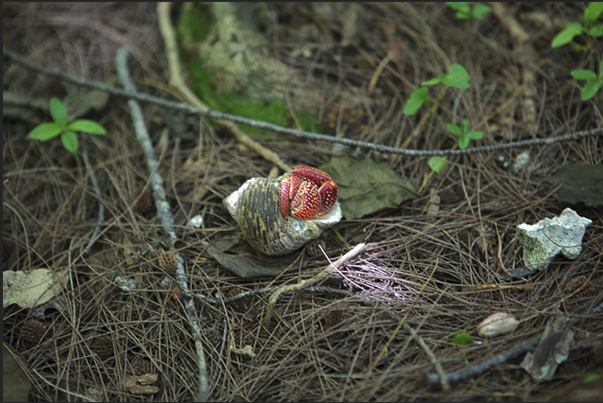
(196, 221)
(521, 161)
(126, 285)
(545, 239)
(496, 324)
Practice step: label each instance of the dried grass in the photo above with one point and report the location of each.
(321, 346)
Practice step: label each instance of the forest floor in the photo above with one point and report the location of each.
(433, 264)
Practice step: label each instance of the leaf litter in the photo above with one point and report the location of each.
(321, 344)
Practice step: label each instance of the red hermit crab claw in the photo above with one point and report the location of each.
(306, 193)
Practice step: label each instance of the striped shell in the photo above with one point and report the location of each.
(255, 207)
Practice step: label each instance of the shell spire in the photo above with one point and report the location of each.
(256, 207)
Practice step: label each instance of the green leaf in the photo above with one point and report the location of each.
(463, 15)
(416, 99)
(582, 74)
(475, 135)
(463, 142)
(464, 126)
(567, 35)
(86, 126)
(69, 140)
(459, 5)
(454, 129)
(596, 30)
(461, 339)
(58, 112)
(590, 88)
(437, 164)
(581, 48)
(593, 11)
(480, 10)
(463, 11)
(412, 106)
(45, 131)
(433, 81)
(601, 69)
(591, 378)
(458, 77)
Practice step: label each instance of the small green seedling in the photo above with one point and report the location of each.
(466, 10)
(464, 134)
(462, 339)
(62, 127)
(417, 98)
(437, 164)
(591, 28)
(458, 78)
(593, 82)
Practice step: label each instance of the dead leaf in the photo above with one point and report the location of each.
(16, 384)
(552, 349)
(81, 103)
(246, 351)
(33, 288)
(366, 186)
(433, 207)
(251, 264)
(579, 183)
(141, 384)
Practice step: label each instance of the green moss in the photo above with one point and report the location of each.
(194, 26)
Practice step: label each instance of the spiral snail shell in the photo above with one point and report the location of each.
(255, 207)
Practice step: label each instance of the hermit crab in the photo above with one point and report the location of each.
(277, 216)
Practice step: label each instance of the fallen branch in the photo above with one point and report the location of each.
(77, 80)
(165, 216)
(265, 290)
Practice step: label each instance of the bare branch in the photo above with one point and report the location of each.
(165, 216)
(293, 132)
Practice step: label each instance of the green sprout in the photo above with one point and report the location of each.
(462, 339)
(593, 82)
(62, 127)
(417, 98)
(466, 10)
(437, 164)
(591, 28)
(457, 77)
(464, 134)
